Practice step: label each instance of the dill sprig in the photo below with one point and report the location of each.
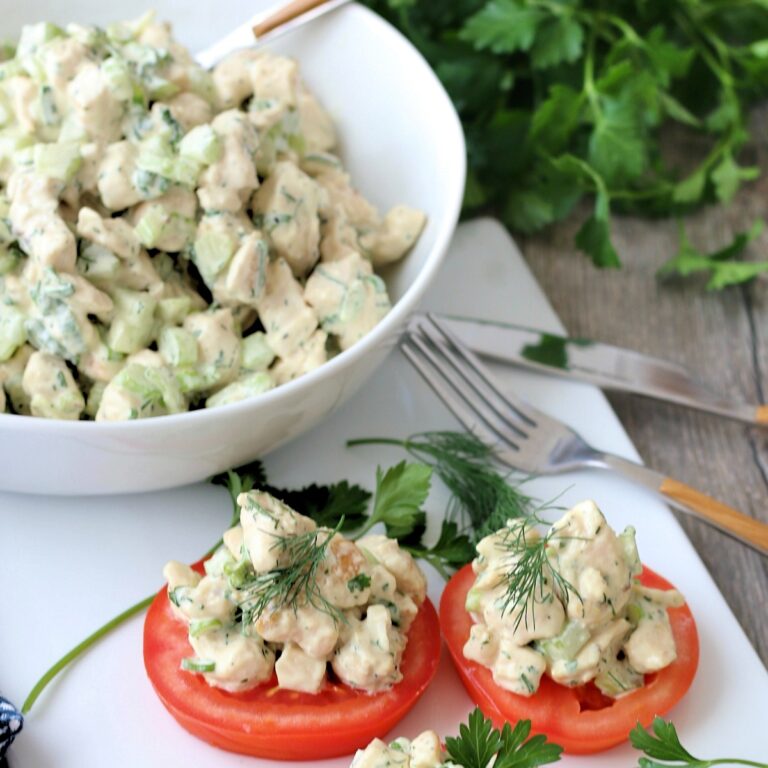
(531, 571)
(294, 584)
(482, 497)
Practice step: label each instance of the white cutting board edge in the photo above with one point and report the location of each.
(103, 706)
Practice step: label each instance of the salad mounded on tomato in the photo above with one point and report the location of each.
(578, 715)
(250, 662)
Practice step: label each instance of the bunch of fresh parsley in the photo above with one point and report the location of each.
(563, 100)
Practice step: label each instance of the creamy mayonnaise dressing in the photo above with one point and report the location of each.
(353, 616)
(148, 205)
(595, 622)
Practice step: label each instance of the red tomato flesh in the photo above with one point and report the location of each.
(580, 719)
(278, 724)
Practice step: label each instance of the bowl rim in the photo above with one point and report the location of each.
(401, 309)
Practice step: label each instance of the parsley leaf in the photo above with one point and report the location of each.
(664, 744)
(503, 26)
(535, 81)
(720, 267)
(479, 741)
(664, 749)
(400, 492)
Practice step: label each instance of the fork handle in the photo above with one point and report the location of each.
(745, 528)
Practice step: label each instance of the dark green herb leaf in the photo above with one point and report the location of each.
(479, 741)
(328, 504)
(594, 237)
(503, 26)
(722, 271)
(400, 492)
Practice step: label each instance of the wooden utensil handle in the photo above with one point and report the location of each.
(285, 14)
(743, 527)
(761, 414)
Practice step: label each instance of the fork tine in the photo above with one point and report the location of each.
(474, 374)
(526, 412)
(425, 363)
(480, 398)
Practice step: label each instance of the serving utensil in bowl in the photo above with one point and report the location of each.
(401, 141)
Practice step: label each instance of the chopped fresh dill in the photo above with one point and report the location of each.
(294, 584)
(531, 572)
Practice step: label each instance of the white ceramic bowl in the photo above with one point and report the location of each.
(402, 142)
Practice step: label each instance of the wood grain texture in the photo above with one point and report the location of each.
(722, 337)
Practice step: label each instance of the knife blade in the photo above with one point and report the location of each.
(607, 366)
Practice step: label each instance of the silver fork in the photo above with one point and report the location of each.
(529, 440)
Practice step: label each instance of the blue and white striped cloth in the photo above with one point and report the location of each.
(11, 722)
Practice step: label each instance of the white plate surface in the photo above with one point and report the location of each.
(67, 565)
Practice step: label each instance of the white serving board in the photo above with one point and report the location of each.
(69, 565)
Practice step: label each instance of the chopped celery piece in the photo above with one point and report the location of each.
(201, 144)
(617, 678)
(635, 613)
(157, 388)
(160, 89)
(57, 161)
(201, 83)
(238, 573)
(190, 380)
(119, 79)
(173, 311)
(97, 262)
(192, 664)
(9, 69)
(212, 252)
(178, 347)
(12, 331)
(473, 600)
(248, 386)
(119, 32)
(133, 325)
(94, 398)
(257, 355)
(72, 130)
(156, 156)
(565, 645)
(214, 565)
(149, 228)
(629, 545)
(34, 35)
(198, 627)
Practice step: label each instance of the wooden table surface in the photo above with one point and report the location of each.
(722, 337)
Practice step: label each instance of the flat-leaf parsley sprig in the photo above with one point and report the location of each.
(564, 102)
(663, 749)
(478, 741)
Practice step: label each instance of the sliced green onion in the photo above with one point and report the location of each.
(193, 664)
(201, 626)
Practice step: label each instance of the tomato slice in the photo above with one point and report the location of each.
(580, 719)
(274, 723)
